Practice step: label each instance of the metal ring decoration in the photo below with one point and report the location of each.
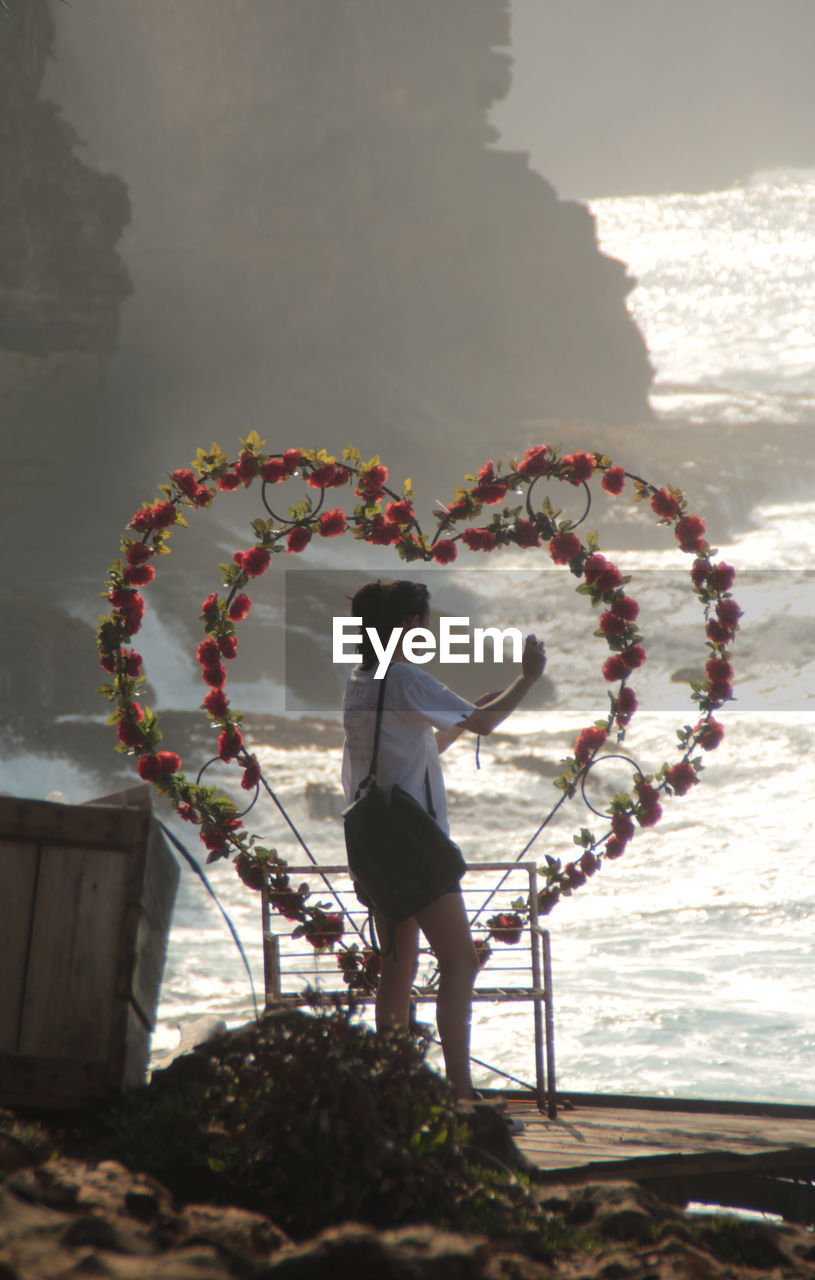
(592, 764)
(573, 524)
(220, 822)
(217, 760)
(282, 520)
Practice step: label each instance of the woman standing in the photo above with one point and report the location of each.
(415, 705)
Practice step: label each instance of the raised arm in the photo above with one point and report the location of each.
(492, 708)
(488, 716)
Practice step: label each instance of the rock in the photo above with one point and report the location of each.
(351, 1252)
(199, 1031)
(21, 1142)
(62, 282)
(69, 1217)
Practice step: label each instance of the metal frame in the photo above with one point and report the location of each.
(532, 955)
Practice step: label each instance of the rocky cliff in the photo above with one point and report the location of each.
(323, 246)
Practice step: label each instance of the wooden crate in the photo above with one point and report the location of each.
(86, 897)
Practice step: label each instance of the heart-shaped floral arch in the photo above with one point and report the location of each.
(383, 517)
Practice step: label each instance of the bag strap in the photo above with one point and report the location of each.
(371, 774)
(428, 794)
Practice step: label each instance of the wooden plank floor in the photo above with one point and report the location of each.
(603, 1139)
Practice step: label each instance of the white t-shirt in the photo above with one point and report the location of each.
(415, 704)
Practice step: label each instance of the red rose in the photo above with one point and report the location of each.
(291, 458)
(210, 605)
(614, 668)
(717, 633)
(690, 533)
(203, 496)
(614, 848)
(719, 691)
(187, 812)
(214, 673)
(534, 462)
(287, 902)
(626, 608)
(650, 817)
(138, 552)
(489, 493)
(564, 547)
(216, 703)
(372, 483)
(229, 481)
(581, 464)
(626, 705)
(681, 777)
(728, 613)
(601, 573)
(251, 775)
(138, 575)
(129, 735)
(239, 609)
(332, 523)
(327, 932)
(478, 539)
(149, 768)
(208, 652)
(159, 515)
(526, 535)
(246, 468)
(547, 899)
(254, 562)
(399, 512)
(121, 597)
(274, 470)
(228, 646)
(382, 533)
(251, 873)
(215, 841)
(589, 863)
(699, 573)
(722, 577)
(611, 624)
(718, 669)
(133, 614)
(588, 741)
(574, 876)
(647, 795)
(665, 504)
(133, 663)
(186, 481)
(622, 826)
(230, 742)
(169, 763)
(322, 477)
(507, 926)
(445, 551)
(633, 657)
(457, 509)
(298, 539)
(709, 734)
(614, 480)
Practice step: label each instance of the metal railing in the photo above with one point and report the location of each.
(294, 973)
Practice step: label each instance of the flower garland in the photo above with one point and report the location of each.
(382, 517)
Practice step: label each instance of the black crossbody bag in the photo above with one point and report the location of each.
(398, 854)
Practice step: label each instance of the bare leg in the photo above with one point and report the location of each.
(444, 923)
(397, 976)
